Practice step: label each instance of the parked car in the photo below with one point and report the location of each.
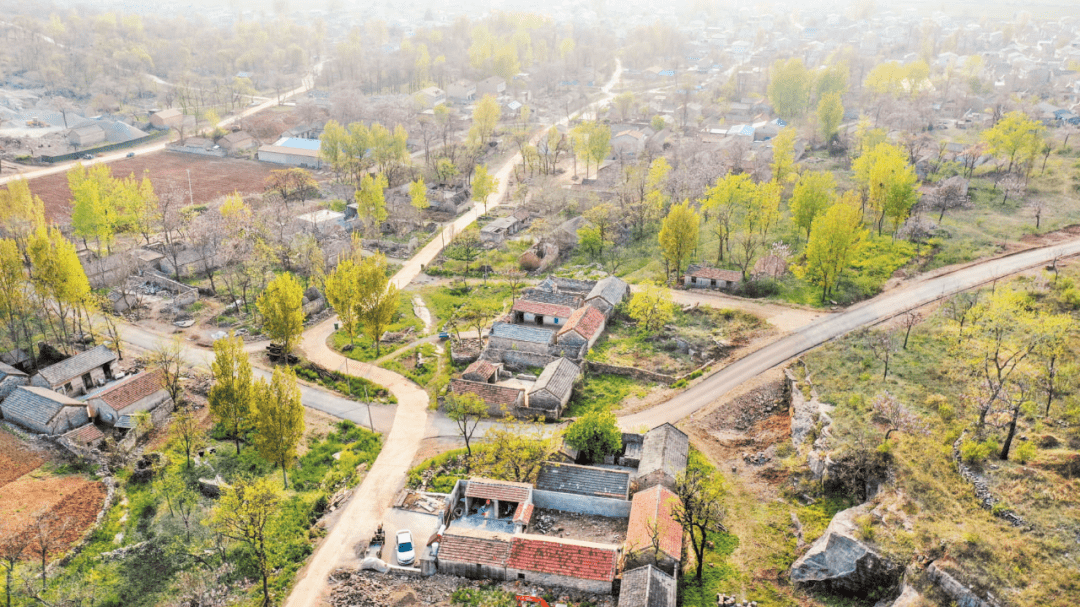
(131, 154)
(88, 156)
(406, 553)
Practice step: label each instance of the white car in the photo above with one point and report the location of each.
(406, 553)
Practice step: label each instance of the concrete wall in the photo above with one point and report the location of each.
(547, 579)
(584, 504)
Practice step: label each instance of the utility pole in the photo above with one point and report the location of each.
(191, 195)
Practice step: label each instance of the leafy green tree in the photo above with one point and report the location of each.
(371, 199)
(465, 248)
(658, 123)
(789, 87)
(1016, 137)
(783, 164)
(516, 448)
(651, 307)
(292, 183)
(231, 398)
(418, 194)
(830, 112)
(758, 218)
(377, 298)
(278, 419)
(722, 201)
(835, 239)
(21, 213)
(16, 308)
(813, 193)
(596, 434)
(246, 513)
(466, 410)
(281, 307)
(679, 235)
(484, 185)
(600, 233)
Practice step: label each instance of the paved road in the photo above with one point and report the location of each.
(865, 314)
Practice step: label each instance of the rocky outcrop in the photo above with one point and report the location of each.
(839, 562)
(909, 597)
(810, 427)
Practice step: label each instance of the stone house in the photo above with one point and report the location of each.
(583, 327)
(506, 336)
(664, 451)
(585, 566)
(711, 278)
(236, 141)
(532, 312)
(647, 587)
(496, 397)
(654, 508)
(89, 436)
(115, 404)
(552, 390)
(607, 294)
(11, 378)
(498, 230)
(43, 411)
(78, 374)
(166, 119)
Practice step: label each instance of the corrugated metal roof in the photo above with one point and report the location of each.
(557, 378)
(75, 366)
(38, 405)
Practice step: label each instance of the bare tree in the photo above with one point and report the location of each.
(1037, 206)
(1014, 186)
(168, 357)
(48, 532)
(949, 194)
(908, 320)
(1014, 398)
(883, 345)
(897, 417)
(13, 544)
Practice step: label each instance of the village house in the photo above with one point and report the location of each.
(167, 119)
(664, 452)
(499, 399)
(78, 374)
(589, 481)
(704, 277)
(293, 151)
(236, 141)
(583, 328)
(11, 378)
(506, 336)
(498, 230)
(482, 371)
(462, 91)
(654, 509)
(115, 404)
(647, 587)
(88, 436)
(492, 85)
(43, 411)
(607, 294)
(628, 143)
(551, 392)
(431, 96)
(532, 312)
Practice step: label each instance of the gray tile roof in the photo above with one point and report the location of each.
(522, 333)
(75, 366)
(557, 378)
(583, 480)
(647, 587)
(38, 405)
(569, 300)
(612, 289)
(7, 370)
(665, 448)
(560, 284)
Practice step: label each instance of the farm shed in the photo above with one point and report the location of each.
(663, 456)
(607, 294)
(583, 480)
(496, 397)
(712, 278)
(551, 392)
(43, 411)
(78, 374)
(116, 403)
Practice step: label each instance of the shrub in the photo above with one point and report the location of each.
(974, 452)
(946, 411)
(1026, 452)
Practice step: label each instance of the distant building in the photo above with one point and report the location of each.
(493, 86)
(711, 278)
(462, 91)
(236, 141)
(432, 96)
(86, 136)
(293, 151)
(167, 119)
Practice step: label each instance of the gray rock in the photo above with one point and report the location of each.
(839, 562)
(962, 595)
(212, 487)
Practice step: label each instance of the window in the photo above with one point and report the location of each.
(521, 576)
(88, 382)
(67, 387)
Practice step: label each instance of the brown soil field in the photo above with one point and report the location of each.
(16, 459)
(74, 500)
(210, 178)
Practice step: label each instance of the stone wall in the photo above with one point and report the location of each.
(517, 359)
(962, 595)
(638, 374)
(548, 579)
(982, 489)
(582, 504)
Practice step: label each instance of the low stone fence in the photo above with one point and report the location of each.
(517, 359)
(632, 372)
(182, 293)
(982, 489)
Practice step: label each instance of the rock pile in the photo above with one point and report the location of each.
(723, 600)
(757, 459)
(544, 523)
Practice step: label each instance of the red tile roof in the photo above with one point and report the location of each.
(587, 321)
(490, 393)
(654, 505)
(130, 390)
(474, 549)
(85, 435)
(571, 559)
(481, 368)
(523, 514)
(715, 274)
(541, 308)
(504, 491)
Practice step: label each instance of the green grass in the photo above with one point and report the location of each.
(492, 299)
(363, 347)
(348, 385)
(605, 393)
(404, 364)
(450, 469)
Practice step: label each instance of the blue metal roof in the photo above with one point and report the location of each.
(299, 144)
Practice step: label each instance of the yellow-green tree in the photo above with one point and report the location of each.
(418, 194)
(21, 213)
(783, 164)
(757, 219)
(651, 307)
(246, 513)
(485, 117)
(789, 87)
(94, 212)
(1016, 137)
(371, 199)
(814, 192)
(484, 184)
(833, 79)
(278, 419)
(722, 201)
(377, 298)
(830, 112)
(889, 182)
(835, 239)
(466, 410)
(679, 236)
(231, 397)
(281, 307)
(58, 278)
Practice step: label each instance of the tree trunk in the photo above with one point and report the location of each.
(1012, 433)
(284, 475)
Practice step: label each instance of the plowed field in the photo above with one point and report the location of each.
(16, 459)
(210, 178)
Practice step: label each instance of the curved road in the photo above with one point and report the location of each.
(868, 313)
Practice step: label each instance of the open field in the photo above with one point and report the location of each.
(210, 178)
(28, 489)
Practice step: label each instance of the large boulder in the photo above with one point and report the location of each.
(839, 562)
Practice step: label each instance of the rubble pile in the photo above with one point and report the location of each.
(723, 600)
(544, 523)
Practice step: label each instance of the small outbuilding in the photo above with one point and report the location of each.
(496, 397)
(583, 328)
(115, 404)
(482, 371)
(711, 278)
(664, 451)
(539, 313)
(654, 510)
(43, 411)
(647, 587)
(78, 374)
(552, 390)
(11, 378)
(607, 294)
